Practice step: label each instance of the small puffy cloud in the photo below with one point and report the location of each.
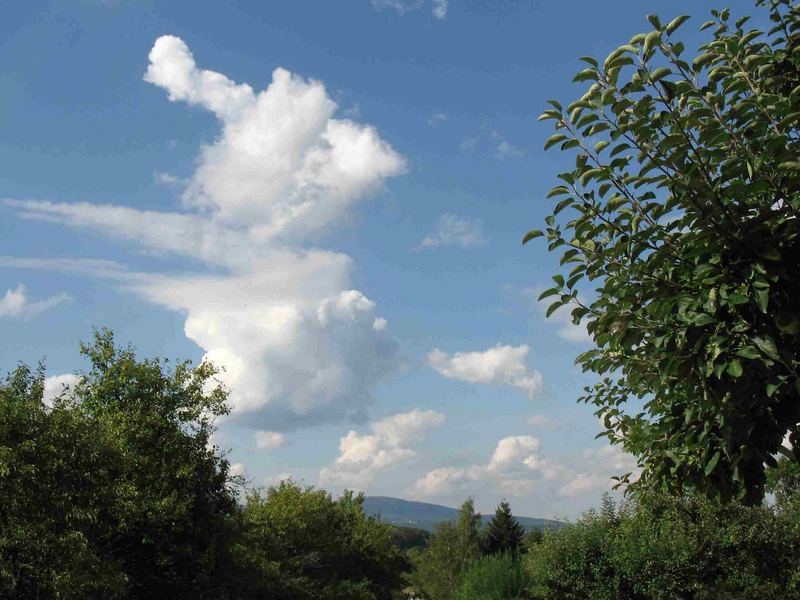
(491, 141)
(165, 178)
(363, 456)
(15, 303)
(542, 421)
(515, 467)
(401, 7)
(501, 365)
(454, 231)
(436, 118)
(269, 439)
(56, 385)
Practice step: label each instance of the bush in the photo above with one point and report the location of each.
(669, 547)
(494, 577)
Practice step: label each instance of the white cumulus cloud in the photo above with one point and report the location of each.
(15, 303)
(269, 439)
(282, 160)
(56, 385)
(501, 365)
(299, 346)
(363, 456)
(515, 467)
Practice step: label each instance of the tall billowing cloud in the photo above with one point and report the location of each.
(282, 162)
(298, 345)
(501, 365)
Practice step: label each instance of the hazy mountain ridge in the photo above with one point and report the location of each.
(426, 515)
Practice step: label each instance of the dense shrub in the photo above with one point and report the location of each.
(669, 547)
(494, 577)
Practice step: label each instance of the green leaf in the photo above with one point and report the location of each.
(735, 299)
(600, 146)
(589, 175)
(712, 464)
(559, 190)
(768, 252)
(553, 308)
(654, 21)
(702, 60)
(748, 352)
(532, 234)
(772, 388)
(767, 346)
(660, 73)
(650, 40)
(675, 23)
(553, 140)
(762, 299)
(586, 75)
(703, 319)
(734, 368)
(548, 293)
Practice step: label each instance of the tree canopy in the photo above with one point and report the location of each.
(114, 490)
(684, 212)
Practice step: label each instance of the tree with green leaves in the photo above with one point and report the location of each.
(657, 545)
(299, 543)
(503, 534)
(113, 491)
(683, 210)
(468, 530)
(451, 551)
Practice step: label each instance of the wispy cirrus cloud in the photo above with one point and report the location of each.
(453, 231)
(401, 7)
(15, 303)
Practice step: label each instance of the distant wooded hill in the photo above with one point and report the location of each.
(425, 515)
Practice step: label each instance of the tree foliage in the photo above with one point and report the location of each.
(495, 577)
(450, 552)
(661, 546)
(298, 542)
(503, 534)
(684, 211)
(115, 491)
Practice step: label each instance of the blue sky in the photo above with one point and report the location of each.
(327, 199)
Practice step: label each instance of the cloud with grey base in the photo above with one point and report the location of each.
(298, 344)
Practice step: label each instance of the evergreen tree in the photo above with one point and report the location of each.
(504, 533)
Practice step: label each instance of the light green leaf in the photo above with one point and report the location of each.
(675, 23)
(532, 234)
